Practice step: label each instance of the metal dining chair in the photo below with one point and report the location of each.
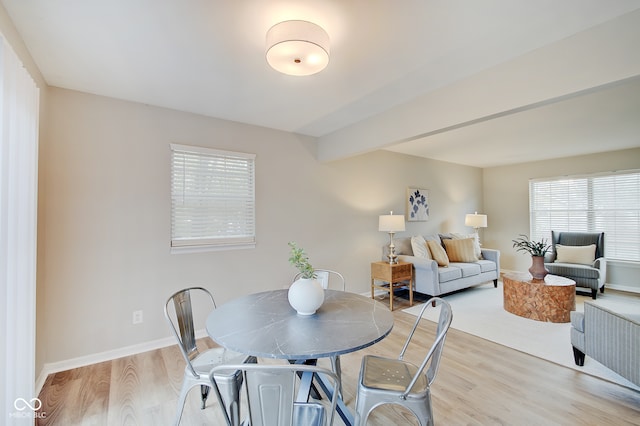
(199, 364)
(330, 279)
(396, 381)
(275, 396)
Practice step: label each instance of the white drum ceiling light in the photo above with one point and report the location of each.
(297, 48)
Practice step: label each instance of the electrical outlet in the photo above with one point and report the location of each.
(137, 317)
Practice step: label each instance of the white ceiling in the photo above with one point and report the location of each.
(207, 57)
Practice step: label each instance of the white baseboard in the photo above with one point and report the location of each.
(627, 289)
(83, 361)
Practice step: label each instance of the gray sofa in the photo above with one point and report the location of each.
(591, 275)
(433, 280)
(610, 334)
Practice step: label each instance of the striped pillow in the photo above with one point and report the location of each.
(460, 250)
(438, 253)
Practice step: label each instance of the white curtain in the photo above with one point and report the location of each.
(19, 99)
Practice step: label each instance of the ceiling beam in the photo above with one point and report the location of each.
(598, 57)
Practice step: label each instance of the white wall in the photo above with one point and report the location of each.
(506, 201)
(105, 206)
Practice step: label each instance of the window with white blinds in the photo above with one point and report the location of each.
(608, 202)
(212, 198)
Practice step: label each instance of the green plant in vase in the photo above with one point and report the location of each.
(534, 248)
(537, 250)
(306, 294)
(300, 260)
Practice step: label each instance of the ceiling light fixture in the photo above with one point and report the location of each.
(297, 48)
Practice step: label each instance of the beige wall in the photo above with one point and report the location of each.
(105, 206)
(506, 200)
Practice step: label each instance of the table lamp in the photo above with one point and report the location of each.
(476, 221)
(391, 223)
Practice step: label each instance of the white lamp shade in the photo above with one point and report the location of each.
(297, 48)
(476, 220)
(391, 223)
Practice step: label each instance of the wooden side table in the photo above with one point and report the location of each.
(395, 275)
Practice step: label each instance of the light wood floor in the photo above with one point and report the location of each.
(479, 383)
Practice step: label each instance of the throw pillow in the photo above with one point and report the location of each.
(476, 242)
(584, 255)
(419, 247)
(460, 250)
(438, 253)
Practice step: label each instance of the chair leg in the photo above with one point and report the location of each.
(578, 357)
(186, 386)
(594, 294)
(602, 289)
(204, 391)
(495, 283)
(335, 366)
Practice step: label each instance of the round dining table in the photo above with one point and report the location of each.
(265, 325)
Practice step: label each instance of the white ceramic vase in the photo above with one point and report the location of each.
(306, 296)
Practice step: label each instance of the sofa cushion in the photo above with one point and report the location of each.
(574, 270)
(584, 255)
(487, 265)
(438, 253)
(460, 250)
(419, 247)
(468, 269)
(449, 274)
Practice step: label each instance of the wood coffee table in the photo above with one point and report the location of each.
(551, 299)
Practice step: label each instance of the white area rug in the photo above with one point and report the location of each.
(479, 311)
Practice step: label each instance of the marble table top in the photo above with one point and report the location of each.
(265, 325)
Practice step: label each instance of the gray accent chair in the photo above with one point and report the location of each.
(610, 334)
(589, 276)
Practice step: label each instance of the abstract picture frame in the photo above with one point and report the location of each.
(417, 205)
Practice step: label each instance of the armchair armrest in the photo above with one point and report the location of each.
(601, 264)
(493, 255)
(550, 257)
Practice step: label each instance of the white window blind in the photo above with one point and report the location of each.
(608, 202)
(212, 198)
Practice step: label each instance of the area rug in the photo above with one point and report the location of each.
(479, 311)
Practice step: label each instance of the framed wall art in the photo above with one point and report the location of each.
(417, 205)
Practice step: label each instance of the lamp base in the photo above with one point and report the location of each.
(392, 256)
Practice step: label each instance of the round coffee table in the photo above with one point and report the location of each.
(550, 300)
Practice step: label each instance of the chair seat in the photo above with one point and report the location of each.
(390, 375)
(573, 270)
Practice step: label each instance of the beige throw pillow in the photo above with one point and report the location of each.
(419, 247)
(584, 255)
(476, 242)
(460, 250)
(438, 253)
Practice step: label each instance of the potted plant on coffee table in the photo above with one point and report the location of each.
(537, 250)
(306, 294)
